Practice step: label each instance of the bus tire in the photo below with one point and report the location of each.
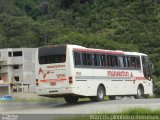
(71, 99)
(112, 97)
(100, 94)
(140, 92)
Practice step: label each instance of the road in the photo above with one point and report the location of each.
(80, 108)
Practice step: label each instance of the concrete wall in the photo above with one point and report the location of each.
(27, 67)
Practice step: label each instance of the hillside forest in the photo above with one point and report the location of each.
(129, 25)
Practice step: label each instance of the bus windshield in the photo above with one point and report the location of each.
(53, 54)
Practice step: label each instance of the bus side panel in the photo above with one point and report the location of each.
(83, 79)
(81, 76)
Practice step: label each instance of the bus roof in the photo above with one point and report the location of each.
(85, 49)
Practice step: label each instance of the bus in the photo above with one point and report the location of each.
(73, 72)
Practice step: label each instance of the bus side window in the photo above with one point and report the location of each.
(109, 60)
(138, 65)
(114, 61)
(96, 59)
(84, 58)
(102, 60)
(120, 61)
(128, 60)
(133, 62)
(125, 62)
(87, 59)
(77, 58)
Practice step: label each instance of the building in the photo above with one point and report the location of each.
(17, 70)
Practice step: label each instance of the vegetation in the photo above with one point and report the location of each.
(130, 25)
(133, 114)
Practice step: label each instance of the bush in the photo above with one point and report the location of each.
(156, 88)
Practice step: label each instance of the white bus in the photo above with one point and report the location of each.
(73, 71)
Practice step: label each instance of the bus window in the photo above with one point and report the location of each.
(128, 61)
(84, 58)
(138, 65)
(121, 62)
(77, 58)
(112, 61)
(52, 59)
(96, 59)
(109, 60)
(55, 54)
(87, 59)
(133, 62)
(102, 60)
(124, 61)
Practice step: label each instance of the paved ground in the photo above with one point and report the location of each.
(80, 108)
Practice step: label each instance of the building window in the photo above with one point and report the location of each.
(17, 53)
(0, 68)
(16, 67)
(16, 78)
(9, 54)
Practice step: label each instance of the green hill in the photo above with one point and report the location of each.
(130, 25)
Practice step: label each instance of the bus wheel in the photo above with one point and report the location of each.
(100, 94)
(112, 97)
(140, 92)
(71, 99)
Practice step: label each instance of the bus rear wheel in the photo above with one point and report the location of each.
(100, 94)
(140, 92)
(71, 99)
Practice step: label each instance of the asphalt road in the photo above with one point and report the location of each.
(86, 107)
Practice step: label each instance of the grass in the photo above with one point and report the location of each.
(143, 113)
(140, 111)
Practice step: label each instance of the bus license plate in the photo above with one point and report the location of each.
(52, 83)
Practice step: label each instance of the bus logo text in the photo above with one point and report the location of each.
(118, 73)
